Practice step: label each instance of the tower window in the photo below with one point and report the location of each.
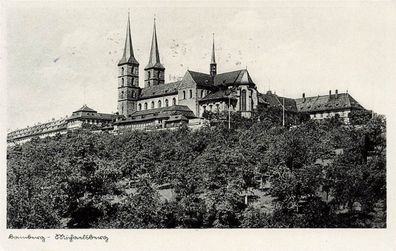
(140, 107)
(152, 104)
(166, 102)
(202, 93)
(159, 103)
(149, 74)
(184, 94)
(174, 101)
(122, 82)
(243, 100)
(122, 71)
(190, 93)
(145, 106)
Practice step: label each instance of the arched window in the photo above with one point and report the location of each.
(159, 74)
(166, 102)
(122, 71)
(122, 94)
(174, 101)
(202, 93)
(149, 74)
(210, 107)
(152, 104)
(159, 103)
(217, 107)
(122, 82)
(190, 93)
(243, 100)
(145, 106)
(140, 107)
(133, 93)
(184, 94)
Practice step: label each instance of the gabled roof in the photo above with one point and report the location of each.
(274, 100)
(338, 101)
(233, 78)
(201, 79)
(85, 108)
(160, 90)
(218, 95)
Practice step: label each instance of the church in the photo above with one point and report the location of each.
(160, 105)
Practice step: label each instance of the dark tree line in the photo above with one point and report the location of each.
(317, 175)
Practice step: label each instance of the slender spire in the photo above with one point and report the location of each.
(154, 60)
(127, 56)
(213, 53)
(213, 65)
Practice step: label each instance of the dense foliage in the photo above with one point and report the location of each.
(310, 175)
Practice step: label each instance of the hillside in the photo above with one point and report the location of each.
(257, 174)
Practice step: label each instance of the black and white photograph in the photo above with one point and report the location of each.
(197, 115)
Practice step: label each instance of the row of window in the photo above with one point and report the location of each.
(159, 104)
(133, 70)
(203, 93)
(322, 115)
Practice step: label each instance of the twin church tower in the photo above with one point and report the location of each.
(128, 77)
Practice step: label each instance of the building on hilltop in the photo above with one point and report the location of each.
(326, 106)
(79, 118)
(159, 104)
(196, 91)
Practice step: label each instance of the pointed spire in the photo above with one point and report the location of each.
(213, 65)
(127, 56)
(213, 53)
(154, 60)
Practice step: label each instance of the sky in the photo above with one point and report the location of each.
(61, 56)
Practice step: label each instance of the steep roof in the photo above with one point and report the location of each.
(274, 100)
(127, 56)
(218, 95)
(323, 103)
(160, 90)
(233, 78)
(154, 60)
(201, 79)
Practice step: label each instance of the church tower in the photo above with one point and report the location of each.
(154, 71)
(213, 65)
(128, 78)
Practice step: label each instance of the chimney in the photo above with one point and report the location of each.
(336, 93)
(303, 95)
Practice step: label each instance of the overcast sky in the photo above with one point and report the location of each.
(55, 52)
